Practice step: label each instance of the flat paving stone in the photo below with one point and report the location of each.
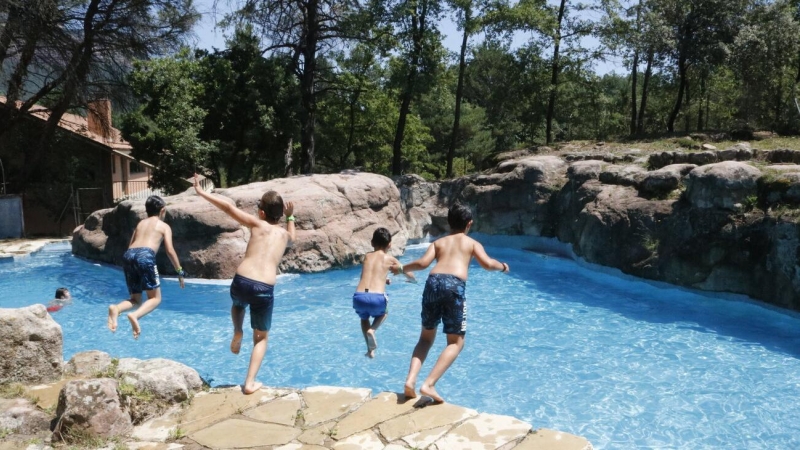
(47, 394)
(208, 408)
(317, 435)
(324, 403)
(240, 433)
(546, 439)
(282, 410)
(300, 447)
(484, 432)
(383, 407)
(426, 418)
(366, 440)
(425, 438)
(153, 446)
(159, 429)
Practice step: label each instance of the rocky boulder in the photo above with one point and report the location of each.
(722, 185)
(88, 364)
(336, 215)
(665, 180)
(90, 407)
(20, 416)
(168, 381)
(622, 175)
(31, 346)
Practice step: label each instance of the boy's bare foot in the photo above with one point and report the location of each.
(251, 389)
(236, 342)
(408, 391)
(372, 344)
(113, 313)
(370, 353)
(429, 391)
(135, 326)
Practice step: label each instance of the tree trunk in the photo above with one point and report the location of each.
(551, 104)
(417, 35)
(308, 88)
(645, 83)
(451, 152)
(679, 101)
(8, 31)
(634, 70)
(686, 105)
(701, 97)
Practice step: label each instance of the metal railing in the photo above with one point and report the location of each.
(133, 190)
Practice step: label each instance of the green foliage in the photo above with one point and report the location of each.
(111, 370)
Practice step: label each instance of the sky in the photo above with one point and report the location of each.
(208, 36)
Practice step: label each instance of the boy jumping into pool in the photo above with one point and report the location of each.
(443, 298)
(139, 264)
(255, 277)
(370, 299)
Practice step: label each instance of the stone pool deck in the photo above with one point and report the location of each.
(10, 248)
(324, 418)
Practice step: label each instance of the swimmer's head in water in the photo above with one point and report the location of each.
(381, 238)
(272, 205)
(62, 293)
(153, 205)
(458, 217)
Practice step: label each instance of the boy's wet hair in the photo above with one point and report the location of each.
(458, 217)
(272, 205)
(153, 205)
(381, 238)
(61, 292)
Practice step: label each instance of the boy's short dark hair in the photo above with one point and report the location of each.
(61, 292)
(381, 238)
(272, 205)
(458, 217)
(153, 205)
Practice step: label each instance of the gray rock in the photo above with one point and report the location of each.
(336, 216)
(622, 175)
(31, 346)
(88, 364)
(20, 416)
(580, 172)
(708, 147)
(167, 380)
(664, 180)
(721, 185)
(93, 407)
(702, 158)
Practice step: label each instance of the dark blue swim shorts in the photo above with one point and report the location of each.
(370, 304)
(444, 300)
(141, 272)
(259, 296)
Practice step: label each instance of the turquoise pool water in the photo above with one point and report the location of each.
(625, 363)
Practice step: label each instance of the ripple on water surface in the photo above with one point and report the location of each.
(624, 363)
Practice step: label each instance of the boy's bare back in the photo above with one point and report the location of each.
(149, 233)
(264, 252)
(374, 271)
(453, 254)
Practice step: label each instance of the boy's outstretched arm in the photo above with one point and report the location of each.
(399, 268)
(237, 214)
(485, 261)
(288, 212)
(173, 257)
(421, 263)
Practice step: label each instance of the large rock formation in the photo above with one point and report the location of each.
(31, 346)
(91, 407)
(336, 215)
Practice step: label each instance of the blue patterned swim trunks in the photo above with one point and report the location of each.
(259, 296)
(444, 300)
(141, 272)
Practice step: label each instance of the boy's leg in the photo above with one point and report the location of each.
(260, 339)
(364, 329)
(153, 300)
(237, 316)
(424, 344)
(115, 310)
(455, 342)
(372, 342)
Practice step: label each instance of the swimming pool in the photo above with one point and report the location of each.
(625, 363)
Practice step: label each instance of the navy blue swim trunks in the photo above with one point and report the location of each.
(259, 295)
(141, 272)
(444, 300)
(370, 304)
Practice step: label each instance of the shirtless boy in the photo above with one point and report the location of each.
(370, 299)
(443, 298)
(255, 278)
(139, 263)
